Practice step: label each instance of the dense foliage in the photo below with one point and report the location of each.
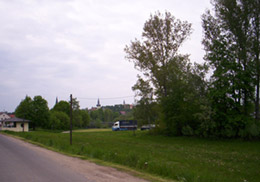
(231, 40)
(58, 118)
(24, 109)
(58, 121)
(168, 76)
(105, 116)
(35, 110)
(226, 105)
(40, 112)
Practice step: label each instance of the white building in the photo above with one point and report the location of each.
(3, 116)
(15, 124)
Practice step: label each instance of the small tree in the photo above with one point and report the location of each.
(58, 120)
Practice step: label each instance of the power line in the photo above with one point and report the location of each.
(106, 98)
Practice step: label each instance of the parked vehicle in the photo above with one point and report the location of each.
(147, 127)
(124, 125)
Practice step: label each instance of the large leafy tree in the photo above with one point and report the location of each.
(255, 17)
(35, 110)
(40, 112)
(186, 100)
(161, 39)
(233, 53)
(168, 76)
(24, 109)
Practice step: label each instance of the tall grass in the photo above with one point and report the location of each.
(179, 158)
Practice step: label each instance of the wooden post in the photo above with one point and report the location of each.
(70, 119)
(23, 124)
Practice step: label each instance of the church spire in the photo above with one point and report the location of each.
(56, 100)
(98, 104)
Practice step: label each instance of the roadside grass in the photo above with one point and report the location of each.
(93, 130)
(182, 159)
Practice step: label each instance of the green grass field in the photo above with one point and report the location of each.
(177, 158)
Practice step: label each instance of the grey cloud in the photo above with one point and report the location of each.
(57, 47)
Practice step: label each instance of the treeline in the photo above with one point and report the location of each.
(180, 96)
(58, 118)
(110, 114)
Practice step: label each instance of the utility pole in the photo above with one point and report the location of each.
(23, 125)
(70, 119)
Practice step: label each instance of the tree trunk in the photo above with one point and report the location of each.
(257, 60)
(257, 96)
(257, 82)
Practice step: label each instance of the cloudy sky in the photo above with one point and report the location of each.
(55, 48)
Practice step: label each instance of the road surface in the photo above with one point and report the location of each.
(24, 162)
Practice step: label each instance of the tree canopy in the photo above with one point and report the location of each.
(168, 76)
(161, 38)
(36, 110)
(227, 104)
(40, 112)
(62, 106)
(231, 41)
(25, 109)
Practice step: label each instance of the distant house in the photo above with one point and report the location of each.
(3, 116)
(122, 112)
(15, 124)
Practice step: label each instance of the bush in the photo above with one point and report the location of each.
(59, 120)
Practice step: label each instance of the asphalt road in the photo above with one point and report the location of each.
(20, 164)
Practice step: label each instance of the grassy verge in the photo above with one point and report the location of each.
(93, 130)
(176, 158)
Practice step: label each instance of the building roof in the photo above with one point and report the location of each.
(16, 120)
(12, 115)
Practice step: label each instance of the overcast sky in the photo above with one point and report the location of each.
(55, 48)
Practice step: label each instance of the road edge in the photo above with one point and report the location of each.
(128, 170)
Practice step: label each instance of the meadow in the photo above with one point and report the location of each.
(172, 158)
